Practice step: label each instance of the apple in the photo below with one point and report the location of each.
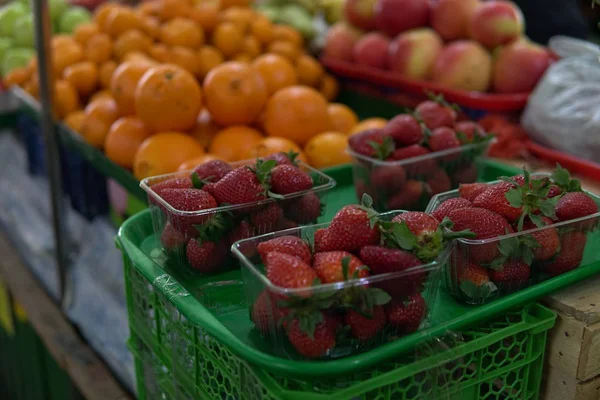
(413, 53)
(340, 41)
(519, 66)
(465, 65)
(16, 57)
(73, 17)
(450, 18)
(360, 13)
(372, 50)
(56, 8)
(23, 31)
(395, 16)
(495, 23)
(8, 15)
(5, 45)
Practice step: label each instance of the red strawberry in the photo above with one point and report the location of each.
(412, 194)
(404, 129)
(206, 256)
(554, 191)
(414, 168)
(444, 209)
(288, 271)
(212, 171)
(514, 273)
(319, 236)
(286, 179)
(473, 273)
(329, 266)
(285, 223)
(303, 210)
(351, 229)
(572, 247)
(188, 200)
(267, 218)
(419, 223)
(548, 239)
(282, 158)
(291, 245)
(575, 205)
(467, 131)
(362, 327)
(388, 178)
(444, 139)
(171, 238)
(242, 231)
(470, 191)
(472, 279)
(183, 182)
(313, 344)
(363, 142)
(406, 316)
(439, 182)
(465, 174)
(265, 314)
(435, 115)
(494, 199)
(242, 185)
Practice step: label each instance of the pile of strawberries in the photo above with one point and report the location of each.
(365, 307)
(522, 203)
(217, 205)
(432, 128)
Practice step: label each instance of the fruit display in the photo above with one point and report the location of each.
(333, 290)
(527, 228)
(414, 157)
(199, 214)
(465, 45)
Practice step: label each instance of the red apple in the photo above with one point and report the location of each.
(360, 13)
(413, 53)
(395, 16)
(372, 50)
(450, 18)
(519, 66)
(340, 41)
(495, 23)
(465, 65)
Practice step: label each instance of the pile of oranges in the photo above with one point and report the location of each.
(172, 83)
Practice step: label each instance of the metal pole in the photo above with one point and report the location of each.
(43, 32)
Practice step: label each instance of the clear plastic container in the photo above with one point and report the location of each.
(413, 285)
(177, 228)
(410, 184)
(576, 238)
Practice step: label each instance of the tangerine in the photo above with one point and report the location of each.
(124, 137)
(120, 20)
(85, 31)
(276, 71)
(206, 14)
(194, 162)
(270, 145)
(17, 76)
(310, 71)
(233, 143)
(262, 29)
(102, 94)
(284, 48)
(74, 120)
(182, 32)
(240, 16)
(131, 41)
(174, 8)
(160, 52)
(99, 116)
(228, 38)
(186, 59)
(208, 58)
(329, 87)
(369, 123)
(124, 82)
(251, 47)
(327, 149)
(235, 3)
(151, 26)
(288, 34)
(205, 129)
(99, 48)
(102, 12)
(83, 76)
(65, 55)
(66, 99)
(105, 73)
(342, 118)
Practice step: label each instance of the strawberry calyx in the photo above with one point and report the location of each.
(562, 179)
(478, 292)
(515, 248)
(215, 228)
(367, 206)
(262, 169)
(383, 150)
(198, 183)
(293, 155)
(439, 98)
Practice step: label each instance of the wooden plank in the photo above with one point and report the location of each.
(559, 386)
(589, 365)
(87, 371)
(581, 301)
(565, 341)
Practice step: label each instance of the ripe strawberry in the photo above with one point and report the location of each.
(266, 219)
(329, 266)
(439, 182)
(265, 314)
(282, 158)
(183, 182)
(548, 239)
(412, 195)
(366, 142)
(171, 238)
(473, 273)
(242, 185)
(419, 223)
(414, 169)
(406, 316)
(470, 191)
(206, 256)
(388, 178)
(285, 223)
(514, 273)
(313, 344)
(242, 231)
(572, 247)
(435, 115)
(211, 171)
(286, 179)
(305, 209)
(467, 131)
(471, 279)
(362, 327)
(575, 205)
(291, 245)
(444, 139)
(319, 236)
(554, 191)
(465, 174)
(444, 209)
(288, 271)
(494, 199)
(404, 129)
(188, 200)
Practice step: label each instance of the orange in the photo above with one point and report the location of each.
(17, 76)
(130, 41)
(235, 93)
(149, 8)
(194, 162)
(102, 11)
(181, 32)
(235, 3)
(208, 58)
(65, 55)
(120, 20)
(105, 73)
(251, 47)
(342, 118)
(32, 88)
(163, 153)
(99, 48)
(284, 48)
(66, 99)
(205, 129)
(168, 98)
(228, 38)
(83, 76)
(310, 72)
(151, 26)
(123, 139)
(186, 59)
(288, 34)
(85, 31)
(174, 8)
(124, 82)
(329, 87)
(62, 40)
(369, 123)
(139, 56)
(160, 52)
(276, 71)
(271, 145)
(242, 58)
(262, 29)
(233, 143)
(99, 116)
(296, 113)
(102, 94)
(74, 120)
(206, 14)
(327, 149)
(240, 16)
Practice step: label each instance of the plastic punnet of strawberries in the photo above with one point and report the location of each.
(206, 211)
(528, 228)
(416, 156)
(335, 289)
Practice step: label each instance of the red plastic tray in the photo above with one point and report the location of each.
(576, 165)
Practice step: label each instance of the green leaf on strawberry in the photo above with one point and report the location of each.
(515, 248)
(478, 293)
(383, 150)
(439, 98)
(562, 179)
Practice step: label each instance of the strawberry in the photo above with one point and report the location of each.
(206, 256)
(319, 236)
(316, 342)
(406, 316)
(514, 273)
(414, 169)
(305, 209)
(495, 199)
(468, 131)
(418, 222)
(464, 174)
(242, 231)
(404, 129)
(184, 200)
(388, 178)
(365, 327)
(282, 158)
(171, 238)
(413, 194)
(547, 239)
(211, 171)
(267, 218)
(285, 223)
(288, 271)
(572, 247)
(435, 115)
(444, 138)
(554, 191)
(470, 191)
(575, 205)
(183, 182)
(444, 209)
(291, 245)
(473, 280)
(563, 182)
(473, 273)
(338, 266)
(265, 314)
(439, 182)
(286, 179)
(367, 142)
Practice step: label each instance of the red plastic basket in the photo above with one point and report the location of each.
(576, 165)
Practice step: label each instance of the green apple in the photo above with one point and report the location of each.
(74, 16)
(23, 33)
(57, 7)
(5, 45)
(17, 57)
(8, 15)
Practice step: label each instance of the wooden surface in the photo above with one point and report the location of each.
(561, 386)
(87, 371)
